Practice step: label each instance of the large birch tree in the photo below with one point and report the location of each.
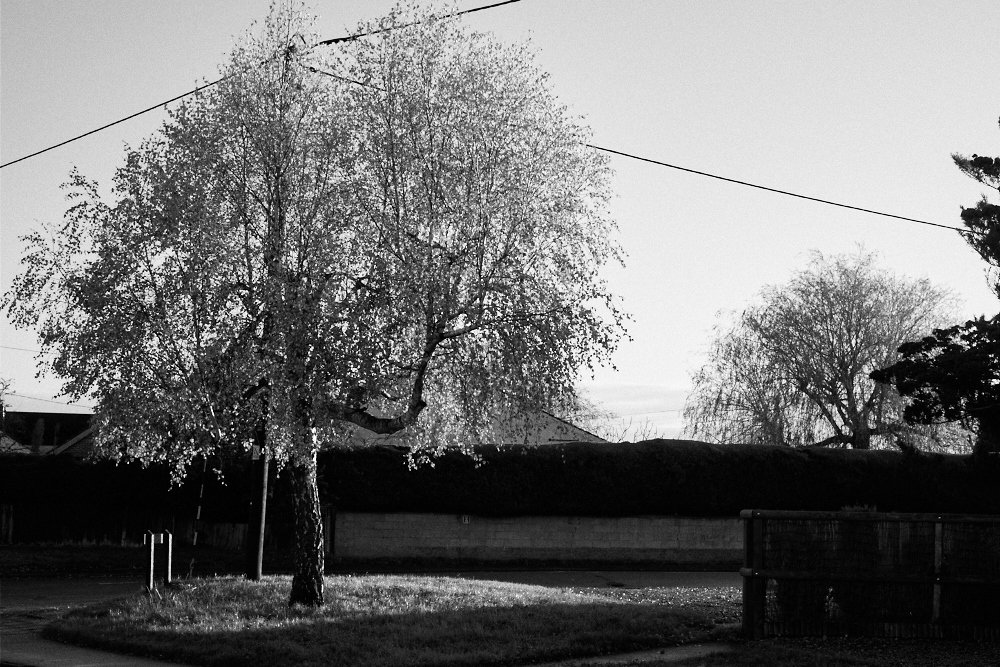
(405, 231)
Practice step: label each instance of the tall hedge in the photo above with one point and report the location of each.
(587, 479)
(656, 477)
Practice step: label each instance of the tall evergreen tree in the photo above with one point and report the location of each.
(953, 374)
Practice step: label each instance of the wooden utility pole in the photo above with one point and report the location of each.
(259, 469)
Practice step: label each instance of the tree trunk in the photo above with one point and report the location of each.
(307, 581)
(862, 439)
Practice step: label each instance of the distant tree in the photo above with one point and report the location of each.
(413, 243)
(794, 369)
(953, 374)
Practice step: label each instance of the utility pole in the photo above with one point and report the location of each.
(259, 468)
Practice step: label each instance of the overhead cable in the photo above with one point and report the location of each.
(778, 191)
(48, 400)
(112, 124)
(716, 176)
(19, 349)
(335, 40)
(349, 38)
(317, 70)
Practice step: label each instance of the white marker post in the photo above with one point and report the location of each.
(152, 539)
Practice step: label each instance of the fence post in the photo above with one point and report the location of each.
(7, 524)
(148, 540)
(938, 549)
(754, 585)
(151, 539)
(168, 543)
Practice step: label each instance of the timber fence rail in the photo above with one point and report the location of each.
(870, 574)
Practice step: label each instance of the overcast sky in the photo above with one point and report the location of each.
(859, 102)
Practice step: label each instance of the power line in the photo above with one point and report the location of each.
(338, 40)
(20, 349)
(317, 70)
(348, 38)
(780, 192)
(46, 400)
(335, 40)
(715, 176)
(112, 124)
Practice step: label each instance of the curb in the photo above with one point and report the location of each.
(660, 655)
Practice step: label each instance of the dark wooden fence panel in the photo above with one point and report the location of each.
(33, 523)
(870, 573)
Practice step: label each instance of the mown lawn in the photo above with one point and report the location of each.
(398, 620)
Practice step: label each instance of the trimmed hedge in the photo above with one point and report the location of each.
(61, 498)
(655, 477)
(62, 479)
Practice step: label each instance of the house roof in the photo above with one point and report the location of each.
(550, 430)
(38, 425)
(543, 428)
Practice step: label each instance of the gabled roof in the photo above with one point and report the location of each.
(546, 429)
(38, 425)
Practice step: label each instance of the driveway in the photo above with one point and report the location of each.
(27, 605)
(18, 595)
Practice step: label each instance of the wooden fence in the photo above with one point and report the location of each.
(81, 522)
(871, 574)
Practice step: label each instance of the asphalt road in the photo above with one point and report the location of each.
(27, 605)
(18, 595)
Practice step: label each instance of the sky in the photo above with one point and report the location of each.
(861, 103)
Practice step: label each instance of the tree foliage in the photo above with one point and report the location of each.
(794, 368)
(953, 374)
(403, 233)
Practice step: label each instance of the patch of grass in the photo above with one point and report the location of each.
(391, 620)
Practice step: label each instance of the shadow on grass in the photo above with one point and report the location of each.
(475, 636)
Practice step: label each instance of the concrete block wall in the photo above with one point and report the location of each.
(643, 541)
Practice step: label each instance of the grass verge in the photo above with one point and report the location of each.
(397, 620)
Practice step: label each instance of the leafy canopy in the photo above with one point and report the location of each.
(414, 243)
